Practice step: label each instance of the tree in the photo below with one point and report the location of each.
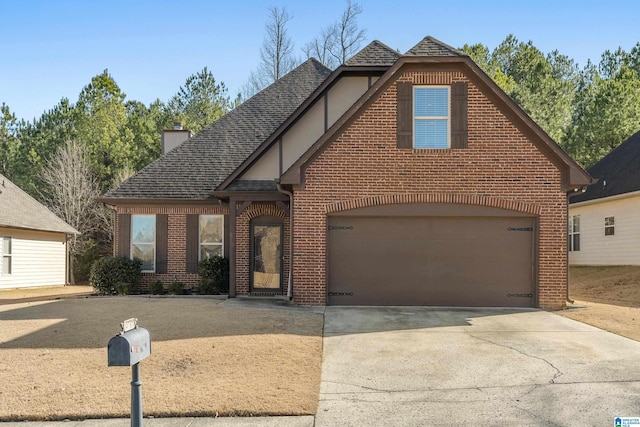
(70, 190)
(276, 53)
(9, 144)
(200, 102)
(339, 41)
(101, 124)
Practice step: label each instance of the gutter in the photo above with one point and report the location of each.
(289, 280)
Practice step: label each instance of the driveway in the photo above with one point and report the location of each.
(405, 366)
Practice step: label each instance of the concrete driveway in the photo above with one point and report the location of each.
(405, 366)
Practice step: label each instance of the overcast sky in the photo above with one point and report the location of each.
(52, 49)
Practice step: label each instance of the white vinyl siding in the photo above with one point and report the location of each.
(37, 259)
(596, 248)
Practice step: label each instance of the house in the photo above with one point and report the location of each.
(33, 241)
(604, 225)
(393, 180)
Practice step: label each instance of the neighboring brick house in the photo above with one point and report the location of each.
(604, 225)
(404, 180)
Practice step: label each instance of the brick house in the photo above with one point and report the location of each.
(393, 180)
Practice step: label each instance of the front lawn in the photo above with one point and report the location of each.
(207, 358)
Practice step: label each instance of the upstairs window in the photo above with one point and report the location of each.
(574, 233)
(609, 226)
(6, 255)
(431, 117)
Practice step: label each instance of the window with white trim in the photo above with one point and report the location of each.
(609, 226)
(574, 233)
(6, 255)
(211, 232)
(431, 115)
(143, 241)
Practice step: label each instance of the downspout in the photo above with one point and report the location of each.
(569, 300)
(569, 194)
(289, 280)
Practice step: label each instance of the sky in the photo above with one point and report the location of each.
(51, 49)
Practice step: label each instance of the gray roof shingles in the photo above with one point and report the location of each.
(430, 46)
(20, 210)
(617, 173)
(196, 167)
(375, 53)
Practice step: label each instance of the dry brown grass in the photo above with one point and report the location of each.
(206, 359)
(606, 297)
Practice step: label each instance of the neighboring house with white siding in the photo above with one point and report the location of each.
(604, 221)
(33, 241)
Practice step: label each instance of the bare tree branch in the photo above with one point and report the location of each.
(70, 191)
(348, 35)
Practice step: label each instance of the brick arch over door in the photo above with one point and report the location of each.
(400, 250)
(243, 240)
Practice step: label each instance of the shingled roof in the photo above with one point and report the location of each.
(617, 173)
(430, 46)
(375, 53)
(195, 168)
(20, 210)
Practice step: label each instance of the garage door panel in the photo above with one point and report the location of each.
(430, 261)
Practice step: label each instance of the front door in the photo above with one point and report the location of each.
(266, 257)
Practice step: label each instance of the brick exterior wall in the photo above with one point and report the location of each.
(500, 167)
(177, 240)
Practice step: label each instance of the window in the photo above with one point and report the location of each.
(574, 233)
(609, 226)
(143, 241)
(6, 255)
(211, 236)
(431, 117)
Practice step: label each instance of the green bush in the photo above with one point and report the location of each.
(115, 275)
(157, 288)
(214, 276)
(176, 288)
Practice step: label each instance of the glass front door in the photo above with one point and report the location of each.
(266, 257)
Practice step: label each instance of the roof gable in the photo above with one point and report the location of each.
(433, 52)
(196, 167)
(430, 46)
(617, 172)
(375, 53)
(19, 210)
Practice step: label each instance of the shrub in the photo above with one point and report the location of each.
(214, 275)
(115, 275)
(176, 288)
(157, 288)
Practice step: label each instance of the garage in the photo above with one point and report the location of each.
(431, 255)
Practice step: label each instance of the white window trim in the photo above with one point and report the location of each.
(200, 244)
(447, 118)
(573, 233)
(155, 224)
(7, 255)
(612, 226)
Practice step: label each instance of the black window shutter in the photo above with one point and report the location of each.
(193, 241)
(405, 115)
(162, 241)
(124, 235)
(459, 114)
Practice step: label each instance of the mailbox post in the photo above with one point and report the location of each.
(128, 348)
